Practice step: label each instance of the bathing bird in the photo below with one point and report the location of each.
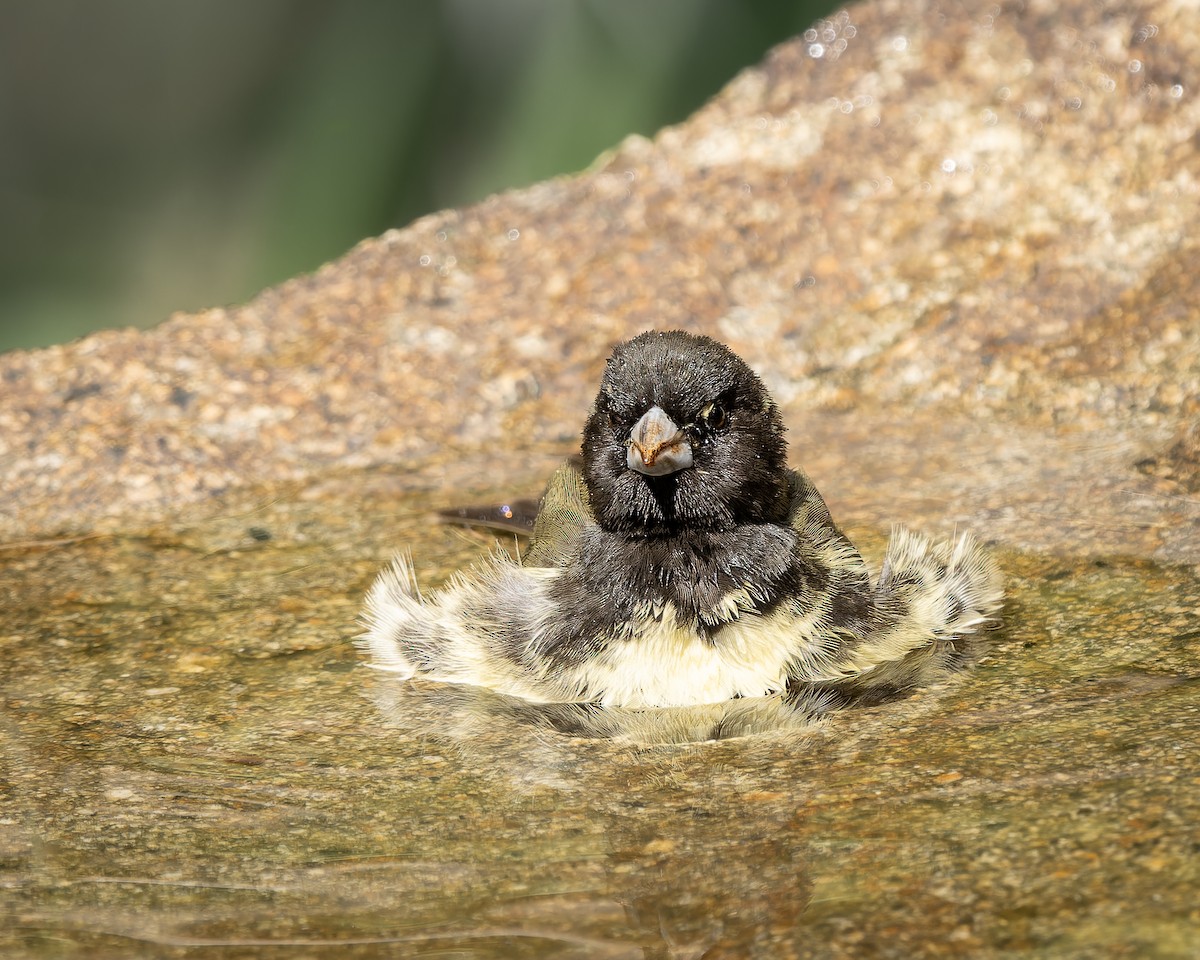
(681, 561)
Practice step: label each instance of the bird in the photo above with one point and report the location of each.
(681, 561)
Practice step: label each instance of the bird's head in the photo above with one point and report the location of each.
(683, 436)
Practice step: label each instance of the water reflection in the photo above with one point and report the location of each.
(462, 713)
(696, 854)
(471, 824)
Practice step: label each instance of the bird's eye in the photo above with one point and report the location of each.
(713, 416)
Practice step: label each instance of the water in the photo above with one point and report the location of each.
(196, 764)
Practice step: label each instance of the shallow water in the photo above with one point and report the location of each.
(197, 764)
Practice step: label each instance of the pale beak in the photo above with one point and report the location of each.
(656, 446)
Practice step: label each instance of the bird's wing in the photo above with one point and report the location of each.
(809, 517)
(562, 517)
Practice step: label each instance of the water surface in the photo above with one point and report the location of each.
(196, 763)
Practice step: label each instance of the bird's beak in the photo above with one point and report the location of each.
(656, 446)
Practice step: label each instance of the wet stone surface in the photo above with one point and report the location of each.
(197, 761)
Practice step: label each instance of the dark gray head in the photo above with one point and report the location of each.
(683, 436)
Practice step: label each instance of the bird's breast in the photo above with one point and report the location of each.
(661, 661)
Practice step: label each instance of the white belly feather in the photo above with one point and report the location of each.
(667, 664)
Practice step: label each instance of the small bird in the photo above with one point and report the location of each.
(682, 563)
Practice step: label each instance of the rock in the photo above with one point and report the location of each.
(958, 245)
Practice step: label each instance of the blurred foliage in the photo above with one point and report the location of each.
(161, 155)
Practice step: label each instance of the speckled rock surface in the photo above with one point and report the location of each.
(971, 227)
(959, 244)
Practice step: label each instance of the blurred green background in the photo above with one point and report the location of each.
(162, 155)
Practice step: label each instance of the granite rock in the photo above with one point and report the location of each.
(957, 242)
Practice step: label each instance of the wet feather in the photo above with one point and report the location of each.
(682, 562)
